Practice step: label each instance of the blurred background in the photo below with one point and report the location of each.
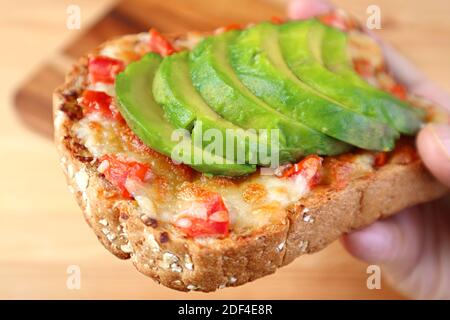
(42, 229)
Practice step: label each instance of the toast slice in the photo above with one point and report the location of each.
(358, 188)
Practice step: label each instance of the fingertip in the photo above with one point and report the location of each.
(374, 244)
(304, 9)
(433, 143)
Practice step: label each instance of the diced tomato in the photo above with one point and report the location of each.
(335, 20)
(104, 69)
(214, 203)
(216, 222)
(117, 171)
(159, 44)
(340, 173)
(196, 227)
(233, 26)
(363, 68)
(309, 168)
(398, 91)
(380, 159)
(404, 154)
(276, 20)
(98, 101)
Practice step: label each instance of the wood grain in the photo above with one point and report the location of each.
(42, 228)
(33, 98)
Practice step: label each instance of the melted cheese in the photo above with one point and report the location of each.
(103, 87)
(100, 136)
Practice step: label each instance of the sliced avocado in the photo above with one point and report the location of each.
(146, 118)
(333, 48)
(219, 86)
(334, 56)
(257, 60)
(301, 45)
(185, 108)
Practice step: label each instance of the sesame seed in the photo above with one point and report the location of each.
(111, 237)
(191, 287)
(280, 246)
(303, 245)
(82, 180)
(175, 267)
(126, 248)
(308, 218)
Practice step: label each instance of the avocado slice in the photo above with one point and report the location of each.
(219, 86)
(257, 60)
(185, 108)
(301, 45)
(334, 56)
(146, 118)
(331, 47)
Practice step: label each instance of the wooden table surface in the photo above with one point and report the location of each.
(42, 230)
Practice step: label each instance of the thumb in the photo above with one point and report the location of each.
(304, 9)
(394, 242)
(411, 248)
(433, 143)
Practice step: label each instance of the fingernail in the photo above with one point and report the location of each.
(441, 135)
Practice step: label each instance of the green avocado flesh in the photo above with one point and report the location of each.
(301, 45)
(146, 118)
(257, 60)
(293, 81)
(220, 87)
(185, 108)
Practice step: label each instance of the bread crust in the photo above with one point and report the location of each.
(311, 224)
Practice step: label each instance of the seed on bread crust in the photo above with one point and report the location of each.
(149, 221)
(163, 237)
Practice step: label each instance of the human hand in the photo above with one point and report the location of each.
(413, 247)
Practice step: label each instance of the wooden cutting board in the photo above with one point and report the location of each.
(33, 99)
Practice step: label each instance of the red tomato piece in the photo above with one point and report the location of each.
(196, 227)
(335, 20)
(117, 171)
(214, 203)
(104, 69)
(340, 173)
(233, 26)
(98, 101)
(363, 68)
(380, 159)
(404, 154)
(398, 91)
(159, 44)
(216, 223)
(309, 168)
(276, 20)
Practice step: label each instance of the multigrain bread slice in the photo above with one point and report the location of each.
(159, 251)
